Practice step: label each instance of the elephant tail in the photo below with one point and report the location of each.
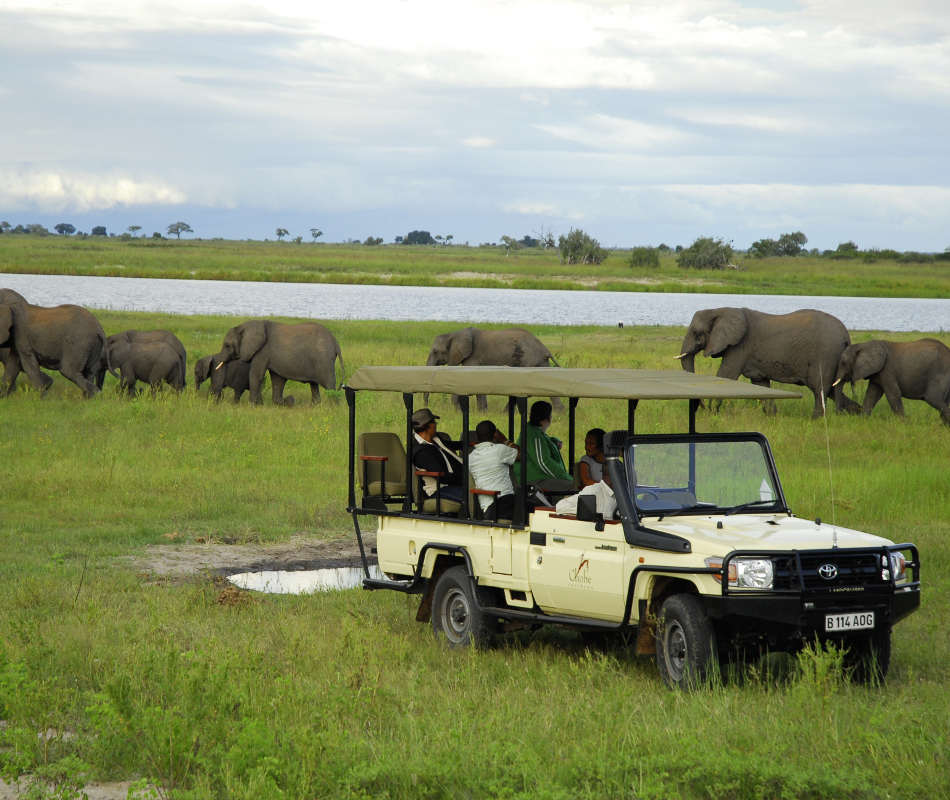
(339, 355)
(108, 359)
(553, 360)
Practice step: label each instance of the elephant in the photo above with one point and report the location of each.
(470, 347)
(67, 338)
(801, 348)
(118, 346)
(234, 375)
(9, 296)
(919, 370)
(151, 362)
(304, 352)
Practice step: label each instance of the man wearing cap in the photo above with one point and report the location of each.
(430, 453)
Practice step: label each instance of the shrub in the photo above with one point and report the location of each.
(645, 257)
(579, 248)
(706, 253)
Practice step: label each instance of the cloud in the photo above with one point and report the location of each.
(58, 191)
(478, 142)
(606, 132)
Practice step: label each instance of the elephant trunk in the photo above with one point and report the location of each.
(688, 361)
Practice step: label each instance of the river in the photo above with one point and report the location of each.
(329, 301)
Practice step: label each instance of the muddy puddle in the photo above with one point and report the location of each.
(303, 581)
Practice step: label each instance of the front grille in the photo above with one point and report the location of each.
(830, 572)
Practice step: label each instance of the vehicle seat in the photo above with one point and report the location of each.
(382, 466)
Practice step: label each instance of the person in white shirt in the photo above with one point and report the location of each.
(489, 463)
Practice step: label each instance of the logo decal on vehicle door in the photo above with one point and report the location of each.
(581, 575)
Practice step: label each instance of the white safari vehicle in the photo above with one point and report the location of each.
(703, 563)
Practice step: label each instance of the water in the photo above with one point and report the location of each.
(519, 306)
(304, 581)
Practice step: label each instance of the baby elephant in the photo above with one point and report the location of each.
(919, 370)
(152, 362)
(234, 375)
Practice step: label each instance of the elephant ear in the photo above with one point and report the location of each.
(253, 338)
(6, 323)
(869, 360)
(462, 344)
(727, 331)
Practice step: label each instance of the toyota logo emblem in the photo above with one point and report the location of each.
(828, 572)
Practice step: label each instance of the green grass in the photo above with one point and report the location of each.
(457, 266)
(345, 694)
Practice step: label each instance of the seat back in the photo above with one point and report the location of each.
(382, 473)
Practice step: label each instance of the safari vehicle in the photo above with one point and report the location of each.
(704, 562)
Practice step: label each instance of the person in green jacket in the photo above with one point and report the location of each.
(545, 466)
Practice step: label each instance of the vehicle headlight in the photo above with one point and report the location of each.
(746, 573)
(898, 565)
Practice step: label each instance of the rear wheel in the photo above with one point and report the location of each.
(869, 657)
(455, 614)
(685, 642)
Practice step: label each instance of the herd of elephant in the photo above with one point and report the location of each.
(806, 348)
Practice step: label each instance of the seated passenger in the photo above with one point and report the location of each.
(545, 467)
(490, 462)
(591, 466)
(430, 453)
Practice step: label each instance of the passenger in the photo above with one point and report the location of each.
(591, 467)
(490, 462)
(430, 453)
(545, 466)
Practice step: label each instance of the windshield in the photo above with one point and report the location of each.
(702, 475)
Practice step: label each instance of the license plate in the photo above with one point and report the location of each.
(855, 621)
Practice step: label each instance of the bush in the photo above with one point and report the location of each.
(706, 253)
(645, 257)
(763, 248)
(845, 250)
(579, 248)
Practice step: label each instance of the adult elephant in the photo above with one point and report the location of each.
(801, 348)
(474, 347)
(67, 338)
(119, 345)
(235, 375)
(304, 352)
(919, 370)
(8, 296)
(151, 362)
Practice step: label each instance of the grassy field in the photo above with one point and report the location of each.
(108, 673)
(457, 266)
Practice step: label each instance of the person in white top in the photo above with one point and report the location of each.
(489, 464)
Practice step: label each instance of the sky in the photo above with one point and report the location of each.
(641, 123)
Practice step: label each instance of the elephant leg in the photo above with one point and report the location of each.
(872, 395)
(277, 388)
(11, 369)
(314, 392)
(935, 397)
(893, 393)
(557, 405)
(255, 379)
(768, 406)
(238, 394)
(86, 386)
(843, 402)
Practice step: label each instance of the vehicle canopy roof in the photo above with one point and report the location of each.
(608, 383)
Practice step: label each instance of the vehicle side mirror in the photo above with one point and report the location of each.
(587, 511)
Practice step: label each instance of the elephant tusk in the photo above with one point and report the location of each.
(220, 364)
(837, 381)
(681, 355)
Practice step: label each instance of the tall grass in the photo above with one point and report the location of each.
(458, 266)
(345, 694)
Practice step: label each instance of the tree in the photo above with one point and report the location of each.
(529, 241)
(418, 237)
(845, 250)
(178, 228)
(5, 226)
(133, 229)
(763, 248)
(580, 248)
(644, 257)
(706, 253)
(449, 237)
(65, 229)
(510, 244)
(791, 244)
(398, 240)
(545, 238)
(98, 230)
(36, 229)
(281, 233)
(373, 241)
(316, 233)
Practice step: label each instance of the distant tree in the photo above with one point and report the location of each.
(133, 229)
(763, 248)
(398, 240)
(298, 239)
(510, 244)
(792, 244)
(545, 238)
(178, 228)
(663, 248)
(156, 235)
(419, 237)
(98, 230)
(845, 250)
(645, 257)
(316, 233)
(706, 253)
(64, 229)
(373, 241)
(281, 233)
(529, 241)
(438, 238)
(580, 248)
(449, 237)
(5, 226)
(36, 229)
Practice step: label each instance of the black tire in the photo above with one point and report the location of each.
(455, 614)
(869, 658)
(685, 642)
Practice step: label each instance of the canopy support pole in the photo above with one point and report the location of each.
(351, 445)
(571, 431)
(631, 413)
(520, 515)
(410, 441)
(463, 404)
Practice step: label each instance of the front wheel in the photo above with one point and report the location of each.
(455, 614)
(685, 642)
(868, 659)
